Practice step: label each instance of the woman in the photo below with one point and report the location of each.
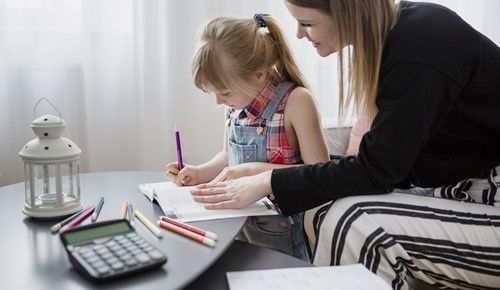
(430, 84)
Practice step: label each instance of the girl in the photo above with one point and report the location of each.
(430, 86)
(271, 123)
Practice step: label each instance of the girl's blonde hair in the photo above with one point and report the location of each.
(364, 24)
(232, 49)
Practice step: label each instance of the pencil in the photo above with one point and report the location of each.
(188, 234)
(98, 209)
(194, 229)
(80, 218)
(59, 225)
(124, 210)
(180, 164)
(131, 214)
(148, 224)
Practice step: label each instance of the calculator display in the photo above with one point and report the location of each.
(97, 232)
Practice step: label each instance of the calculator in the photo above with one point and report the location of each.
(110, 249)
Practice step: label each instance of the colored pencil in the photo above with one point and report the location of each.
(147, 223)
(98, 209)
(123, 214)
(180, 164)
(59, 225)
(83, 216)
(194, 229)
(189, 234)
(131, 214)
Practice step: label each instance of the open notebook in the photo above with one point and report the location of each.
(177, 202)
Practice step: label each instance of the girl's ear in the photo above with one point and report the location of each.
(261, 75)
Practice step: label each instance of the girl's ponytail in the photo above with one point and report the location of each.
(285, 66)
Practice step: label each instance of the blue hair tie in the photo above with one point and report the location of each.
(260, 20)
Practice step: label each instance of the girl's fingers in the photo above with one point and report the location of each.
(173, 168)
(170, 175)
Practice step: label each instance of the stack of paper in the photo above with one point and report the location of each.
(350, 277)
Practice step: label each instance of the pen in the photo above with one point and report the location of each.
(124, 210)
(98, 209)
(84, 215)
(57, 226)
(194, 229)
(180, 164)
(148, 224)
(131, 214)
(181, 231)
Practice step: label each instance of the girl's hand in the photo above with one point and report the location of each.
(189, 175)
(233, 172)
(236, 193)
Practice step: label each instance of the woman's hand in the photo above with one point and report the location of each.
(233, 172)
(188, 175)
(236, 193)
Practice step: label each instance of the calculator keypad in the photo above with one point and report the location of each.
(117, 254)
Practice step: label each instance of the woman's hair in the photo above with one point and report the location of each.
(363, 24)
(232, 49)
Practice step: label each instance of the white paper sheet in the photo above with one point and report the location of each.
(350, 277)
(177, 202)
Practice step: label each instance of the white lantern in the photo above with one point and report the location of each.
(51, 170)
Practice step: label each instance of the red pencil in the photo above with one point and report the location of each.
(194, 229)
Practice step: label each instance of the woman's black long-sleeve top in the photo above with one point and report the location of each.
(438, 115)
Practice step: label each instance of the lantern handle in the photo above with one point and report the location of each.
(50, 103)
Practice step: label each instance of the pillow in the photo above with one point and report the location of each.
(360, 127)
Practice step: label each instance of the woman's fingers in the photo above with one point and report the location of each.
(211, 185)
(221, 205)
(206, 189)
(211, 198)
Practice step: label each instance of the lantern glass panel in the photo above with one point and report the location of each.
(44, 178)
(69, 181)
(27, 183)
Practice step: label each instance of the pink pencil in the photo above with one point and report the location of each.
(84, 215)
(191, 228)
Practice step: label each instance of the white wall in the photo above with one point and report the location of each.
(119, 72)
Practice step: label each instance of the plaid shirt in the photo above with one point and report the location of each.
(279, 150)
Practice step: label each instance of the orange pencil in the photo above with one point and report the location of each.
(194, 236)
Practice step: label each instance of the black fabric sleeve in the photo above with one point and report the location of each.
(413, 101)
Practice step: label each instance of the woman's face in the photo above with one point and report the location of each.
(316, 26)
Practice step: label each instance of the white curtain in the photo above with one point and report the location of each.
(119, 72)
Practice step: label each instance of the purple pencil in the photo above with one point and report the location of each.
(180, 165)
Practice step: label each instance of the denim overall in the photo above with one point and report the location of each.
(248, 144)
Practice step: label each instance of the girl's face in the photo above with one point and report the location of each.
(232, 97)
(238, 98)
(316, 26)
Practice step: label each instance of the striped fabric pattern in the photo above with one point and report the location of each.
(474, 190)
(446, 243)
(279, 150)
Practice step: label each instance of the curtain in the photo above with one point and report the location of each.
(119, 72)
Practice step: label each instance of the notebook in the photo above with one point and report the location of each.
(177, 202)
